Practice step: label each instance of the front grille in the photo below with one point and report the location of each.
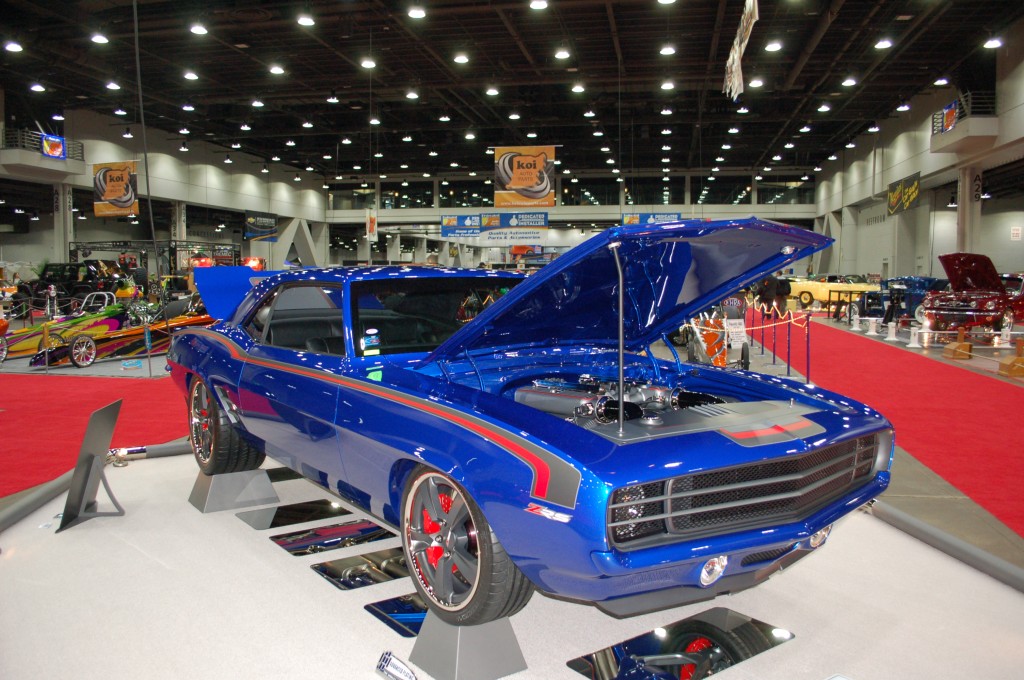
(765, 556)
(713, 503)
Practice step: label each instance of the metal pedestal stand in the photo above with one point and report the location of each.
(484, 652)
(212, 493)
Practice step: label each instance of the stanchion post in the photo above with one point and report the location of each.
(789, 345)
(761, 308)
(775, 334)
(807, 335)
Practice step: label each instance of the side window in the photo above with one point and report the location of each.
(301, 317)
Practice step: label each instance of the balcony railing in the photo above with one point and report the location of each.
(967, 104)
(31, 140)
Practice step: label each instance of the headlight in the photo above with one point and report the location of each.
(992, 305)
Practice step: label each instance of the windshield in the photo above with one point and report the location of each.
(1013, 284)
(417, 315)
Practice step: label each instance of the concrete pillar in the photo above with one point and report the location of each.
(63, 221)
(394, 249)
(968, 207)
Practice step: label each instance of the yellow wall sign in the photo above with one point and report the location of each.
(523, 176)
(115, 190)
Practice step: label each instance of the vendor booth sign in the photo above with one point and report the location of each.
(115, 189)
(510, 229)
(649, 218)
(523, 176)
(460, 225)
(54, 147)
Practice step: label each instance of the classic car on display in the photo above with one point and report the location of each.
(978, 296)
(825, 288)
(899, 299)
(65, 285)
(536, 441)
(84, 348)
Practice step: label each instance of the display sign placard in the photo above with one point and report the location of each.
(460, 225)
(260, 226)
(115, 189)
(523, 176)
(371, 225)
(736, 330)
(949, 117)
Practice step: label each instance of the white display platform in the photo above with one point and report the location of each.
(168, 592)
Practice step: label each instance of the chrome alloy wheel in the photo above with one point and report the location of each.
(441, 539)
(199, 418)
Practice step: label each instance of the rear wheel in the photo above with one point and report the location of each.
(806, 299)
(456, 562)
(215, 444)
(52, 341)
(1005, 321)
(82, 351)
(3, 348)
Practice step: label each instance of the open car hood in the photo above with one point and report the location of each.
(672, 271)
(970, 271)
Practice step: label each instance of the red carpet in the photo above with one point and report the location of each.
(962, 425)
(43, 419)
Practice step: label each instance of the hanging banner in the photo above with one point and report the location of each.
(650, 218)
(54, 147)
(115, 189)
(509, 229)
(260, 226)
(460, 225)
(949, 117)
(371, 225)
(733, 85)
(523, 176)
(904, 194)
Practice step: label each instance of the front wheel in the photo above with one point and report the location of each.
(1005, 321)
(3, 348)
(82, 351)
(806, 299)
(457, 564)
(215, 444)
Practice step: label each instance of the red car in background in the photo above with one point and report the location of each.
(979, 297)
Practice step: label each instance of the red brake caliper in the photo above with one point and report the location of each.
(431, 527)
(698, 645)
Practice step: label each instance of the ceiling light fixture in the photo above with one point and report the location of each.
(333, 99)
(773, 46)
(236, 145)
(13, 46)
(276, 69)
(578, 87)
(191, 75)
(743, 109)
(805, 129)
(849, 82)
(227, 159)
(492, 91)
(874, 128)
(538, 4)
(734, 131)
(412, 94)
(119, 111)
(184, 107)
(756, 82)
(37, 87)
(513, 116)
(184, 131)
(461, 58)
(789, 145)
(305, 18)
(667, 50)
(58, 116)
(367, 62)
(444, 118)
(290, 142)
(666, 111)
(184, 146)
(531, 135)
(883, 44)
(776, 158)
(589, 113)
(265, 169)
(113, 85)
(257, 103)
(198, 28)
(993, 43)
(941, 82)
(668, 85)
(245, 127)
(374, 120)
(470, 135)
(417, 12)
(307, 124)
(127, 134)
(346, 140)
(904, 106)
(824, 108)
(99, 38)
(833, 157)
(561, 53)
(297, 178)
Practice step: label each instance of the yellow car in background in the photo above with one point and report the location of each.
(844, 288)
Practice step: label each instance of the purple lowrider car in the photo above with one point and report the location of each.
(523, 434)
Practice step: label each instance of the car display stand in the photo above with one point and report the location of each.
(213, 493)
(485, 652)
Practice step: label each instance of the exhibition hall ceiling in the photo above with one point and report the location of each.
(633, 86)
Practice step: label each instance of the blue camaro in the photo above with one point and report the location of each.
(522, 434)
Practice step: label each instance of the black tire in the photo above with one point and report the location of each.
(806, 299)
(456, 562)
(720, 648)
(3, 348)
(745, 356)
(216, 445)
(82, 351)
